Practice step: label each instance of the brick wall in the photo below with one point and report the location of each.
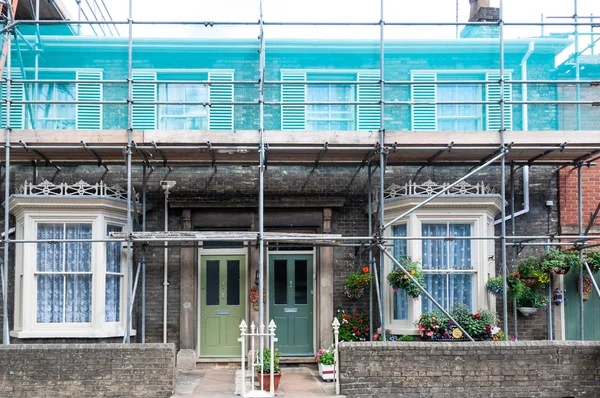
(447, 370)
(87, 370)
(568, 198)
(235, 182)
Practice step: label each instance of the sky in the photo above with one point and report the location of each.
(338, 11)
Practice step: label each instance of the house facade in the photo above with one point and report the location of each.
(195, 170)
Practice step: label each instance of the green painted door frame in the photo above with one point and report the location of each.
(591, 310)
(222, 294)
(291, 302)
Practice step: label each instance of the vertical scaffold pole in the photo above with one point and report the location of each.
(581, 273)
(261, 183)
(503, 174)
(144, 207)
(381, 169)
(127, 338)
(5, 328)
(370, 221)
(514, 248)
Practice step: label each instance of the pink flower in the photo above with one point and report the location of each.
(436, 326)
(421, 327)
(430, 333)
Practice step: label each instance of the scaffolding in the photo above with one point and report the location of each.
(262, 147)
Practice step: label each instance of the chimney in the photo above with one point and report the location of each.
(481, 11)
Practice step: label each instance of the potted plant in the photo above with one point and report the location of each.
(355, 284)
(531, 271)
(593, 260)
(530, 301)
(326, 361)
(263, 371)
(399, 280)
(559, 262)
(495, 285)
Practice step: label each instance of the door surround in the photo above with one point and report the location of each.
(241, 251)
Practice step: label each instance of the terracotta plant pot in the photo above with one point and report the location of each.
(529, 281)
(265, 379)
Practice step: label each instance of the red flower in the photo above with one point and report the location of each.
(476, 316)
(366, 270)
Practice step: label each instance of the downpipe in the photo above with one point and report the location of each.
(166, 186)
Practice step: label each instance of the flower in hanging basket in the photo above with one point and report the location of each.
(559, 262)
(532, 271)
(254, 295)
(355, 284)
(400, 280)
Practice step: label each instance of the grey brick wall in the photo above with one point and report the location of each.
(236, 182)
(448, 370)
(87, 370)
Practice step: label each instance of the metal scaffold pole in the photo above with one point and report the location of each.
(581, 273)
(261, 171)
(503, 176)
(382, 167)
(127, 337)
(370, 221)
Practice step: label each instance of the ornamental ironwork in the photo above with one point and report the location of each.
(431, 188)
(81, 188)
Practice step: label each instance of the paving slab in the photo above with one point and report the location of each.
(295, 383)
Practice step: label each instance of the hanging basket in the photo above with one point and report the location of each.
(354, 294)
(587, 286)
(529, 281)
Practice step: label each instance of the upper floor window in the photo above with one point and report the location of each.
(464, 114)
(185, 105)
(330, 106)
(183, 116)
(54, 115)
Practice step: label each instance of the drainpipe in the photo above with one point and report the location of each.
(166, 186)
(525, 128)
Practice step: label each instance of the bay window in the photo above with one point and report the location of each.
(67, 287)
(455, 267)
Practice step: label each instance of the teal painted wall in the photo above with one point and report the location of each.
(110, 54)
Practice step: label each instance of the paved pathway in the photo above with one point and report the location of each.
(295, 383)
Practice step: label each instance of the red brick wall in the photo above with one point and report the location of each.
(568, 198)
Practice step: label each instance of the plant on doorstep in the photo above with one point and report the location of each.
(263, 370)
(399, 280)
(326, 361)
(355, 284)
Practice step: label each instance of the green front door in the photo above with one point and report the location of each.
(222, 304)
(591, 310)
(291, 302)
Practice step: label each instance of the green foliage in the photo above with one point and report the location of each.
(531, 267)
(266, 360)
(460, 312)
(325, 357)
(495, 285)
(593, 260)
(531, 297)
(488, 317)
(437, 326)
(353, 326)
(406, 338)
(558, 261)
(355, 284)
(399, 280)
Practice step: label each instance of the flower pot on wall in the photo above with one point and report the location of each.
(327, 372)
(527, 310)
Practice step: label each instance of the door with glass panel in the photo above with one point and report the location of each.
(291, 302)
(222, 304)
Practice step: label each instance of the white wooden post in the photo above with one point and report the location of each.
(252, 328)
(272, 328)
(242, 339)
(336, 371)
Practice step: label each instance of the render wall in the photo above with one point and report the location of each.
(87, 370)
(300, 183)
(447, 370)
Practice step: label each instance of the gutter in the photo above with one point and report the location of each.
(524, 96)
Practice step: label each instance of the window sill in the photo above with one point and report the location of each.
(66, 333)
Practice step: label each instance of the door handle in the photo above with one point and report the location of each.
(222, 285)
(290, 283)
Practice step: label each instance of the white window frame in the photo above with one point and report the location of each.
(32, 211)
(161, 109)
(455, 119)
(463, 209)
(328, 113)
(54, 116)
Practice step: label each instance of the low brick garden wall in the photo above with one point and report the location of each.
(87, 370)
(481, 369)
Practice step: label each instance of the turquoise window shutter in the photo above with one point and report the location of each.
(89, 116)
(220, 116)
(17, 93)
(293, 117)
(144, 115)
(424, 116)
(493, 114)
(368, 116)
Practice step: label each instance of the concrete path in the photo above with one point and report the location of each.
(295, 383)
